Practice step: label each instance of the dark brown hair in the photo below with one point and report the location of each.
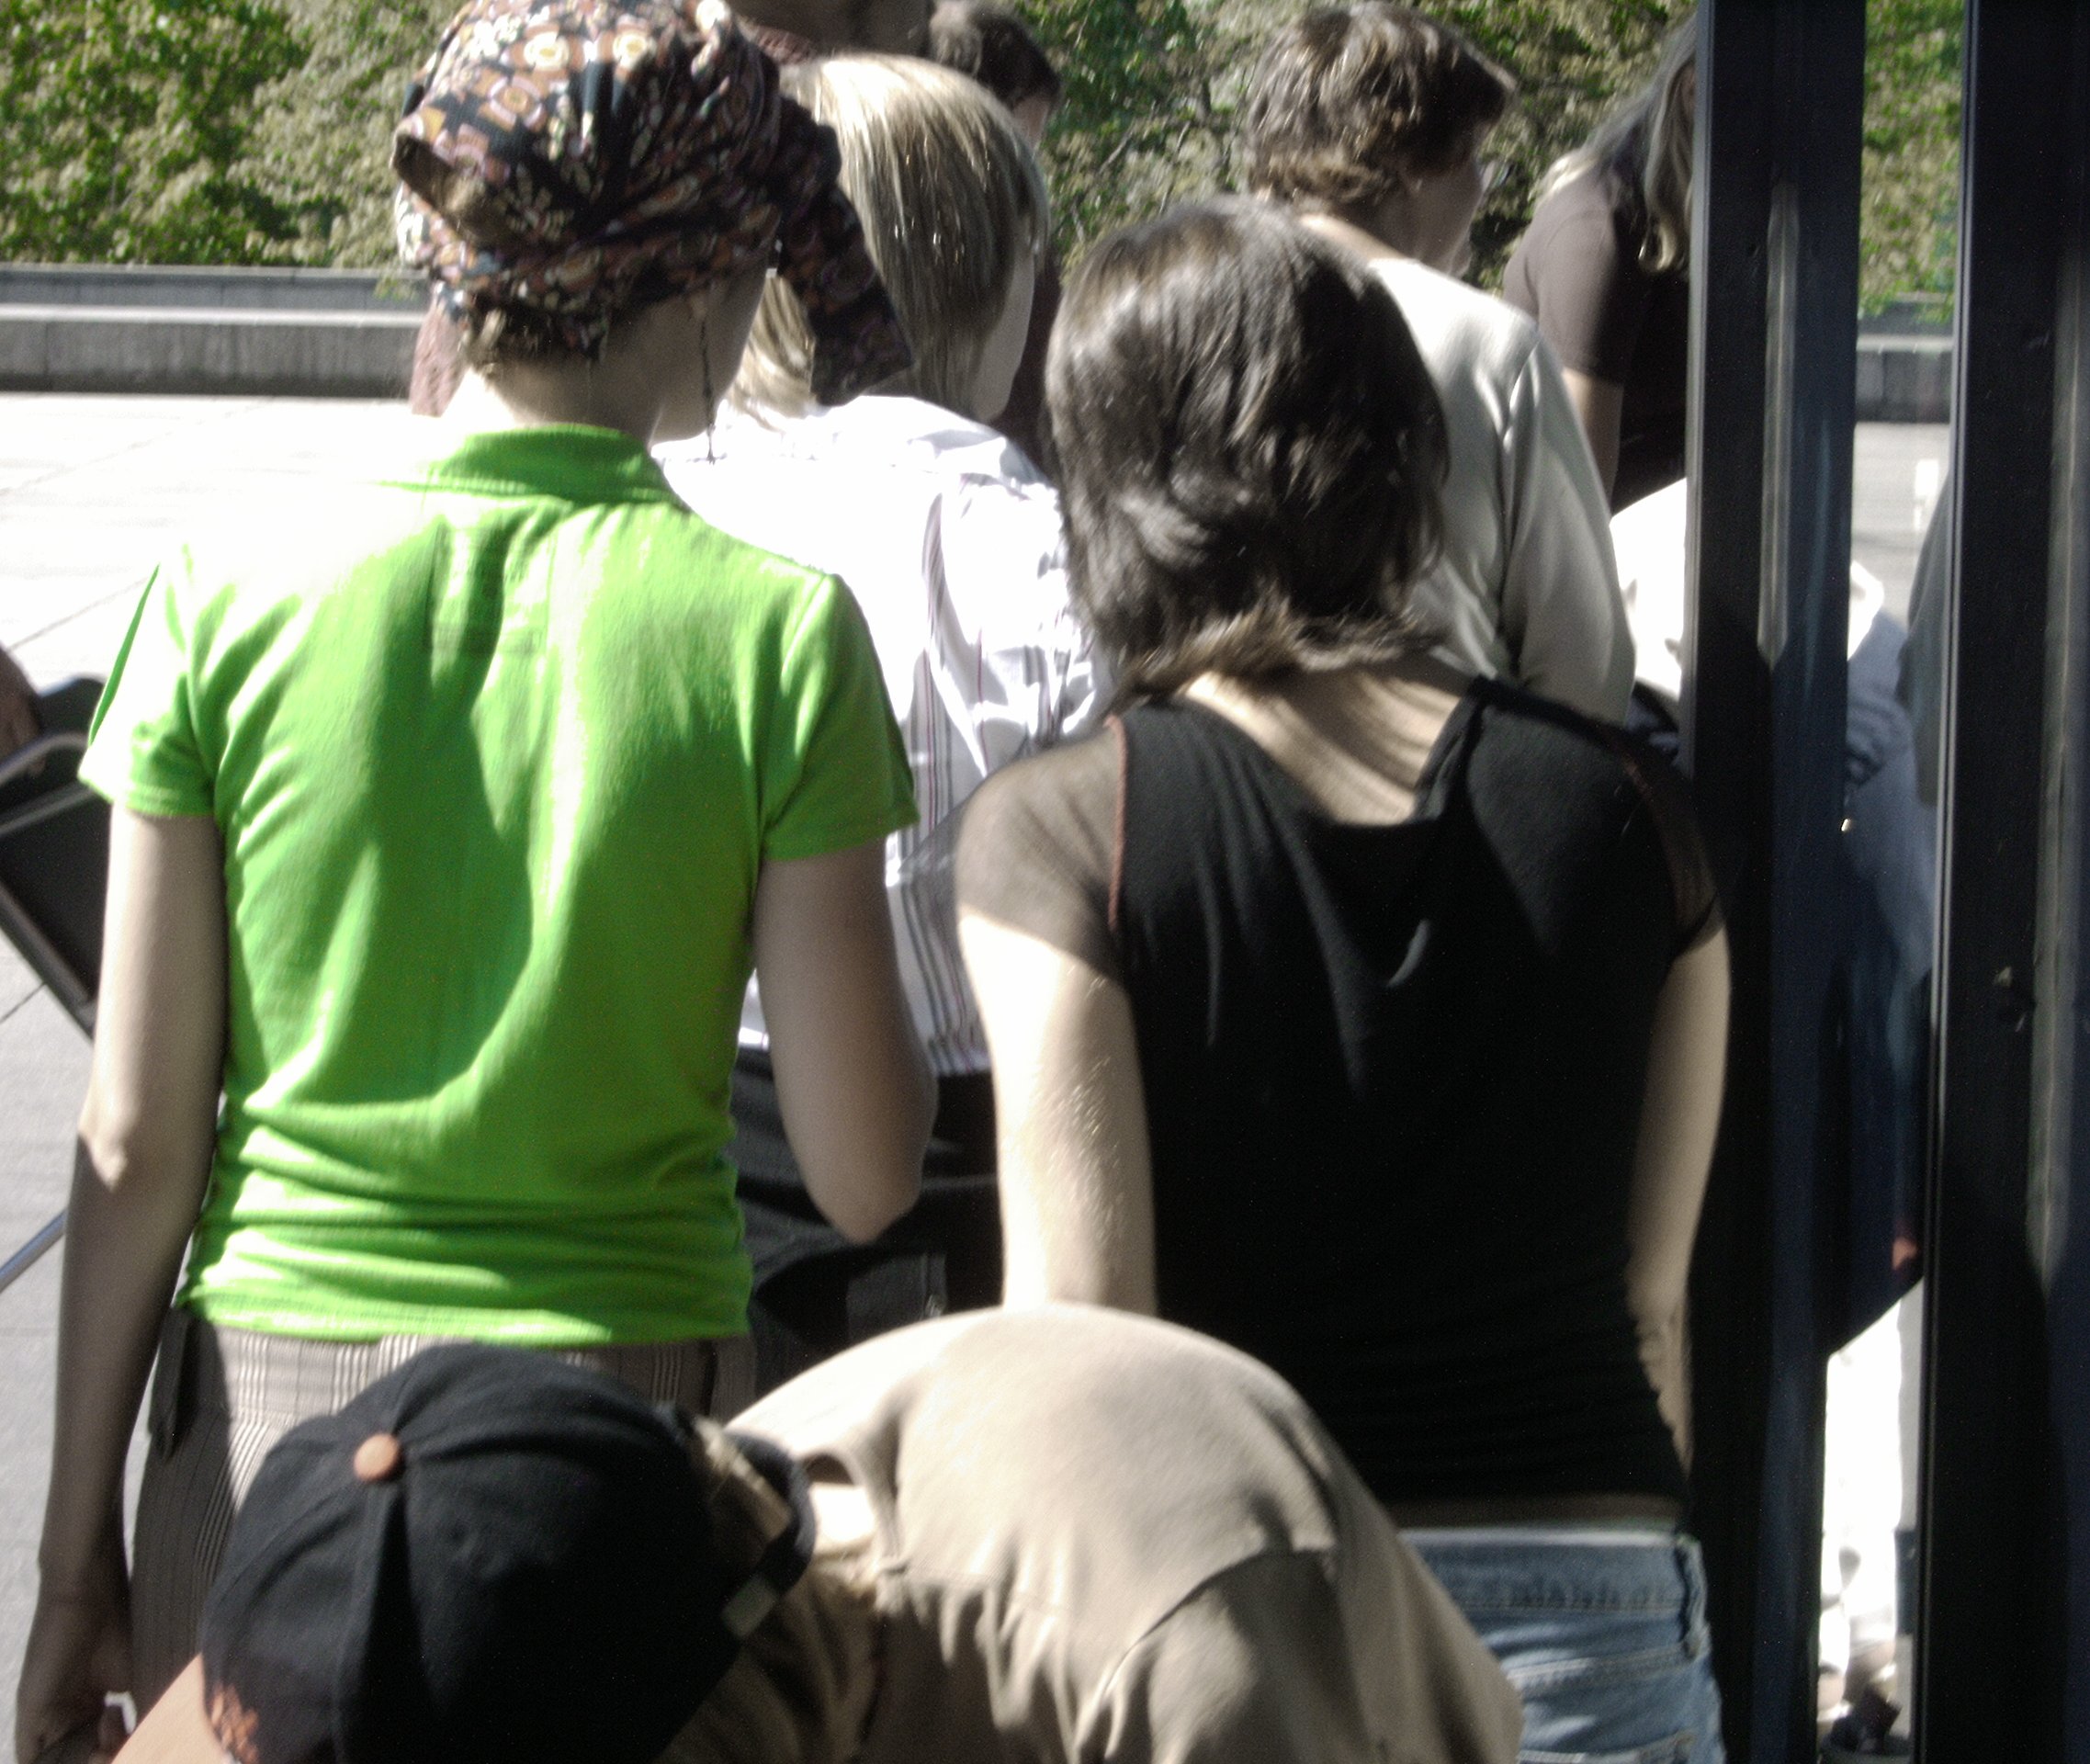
(1248, 450)
(992, 44)
(1347, 98)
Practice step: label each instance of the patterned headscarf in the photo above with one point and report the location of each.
(572, 159)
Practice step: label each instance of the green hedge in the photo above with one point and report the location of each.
(254, 131)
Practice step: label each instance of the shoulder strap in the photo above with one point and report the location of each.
(1116, 897)
(1445, 770)
(1663, 809)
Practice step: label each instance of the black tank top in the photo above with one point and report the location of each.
(1394, 1077)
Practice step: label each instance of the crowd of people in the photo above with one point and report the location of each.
(845, 782)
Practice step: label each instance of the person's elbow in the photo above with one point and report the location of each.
(852, 1085)
(880, 1183)
(865, 1184)
(866, 1209)
(128, 1145)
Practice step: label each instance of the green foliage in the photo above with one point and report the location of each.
(1154, 87)
(1910, 200)
(1147, 119)
(1574, 60)
(124, 126)
(323, 147)
(258, 131)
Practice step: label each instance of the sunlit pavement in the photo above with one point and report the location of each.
(91, 492)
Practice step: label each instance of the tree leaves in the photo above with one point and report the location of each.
(258, 130)
(1909, 201)
(123, 127)
(1154, 85)
(321, 148)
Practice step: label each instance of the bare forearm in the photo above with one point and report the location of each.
(1679, 1122)
(852, 1081)
(1071, 1116)
(123, 1248)
(863, 1166)
(1665, 1351)
(1601, 403)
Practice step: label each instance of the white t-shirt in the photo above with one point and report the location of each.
(1650, 538)
(951, 541)
(1526, 589)
(1101, 1537)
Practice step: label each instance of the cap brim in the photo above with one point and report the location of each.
(175, 1730)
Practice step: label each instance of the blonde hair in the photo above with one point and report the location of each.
(951, 198)
(801, 1688)
(1646, 140)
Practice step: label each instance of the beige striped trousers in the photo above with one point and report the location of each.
(222, 1398)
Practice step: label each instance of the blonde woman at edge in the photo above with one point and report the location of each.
(951, 541)
(1605, 269)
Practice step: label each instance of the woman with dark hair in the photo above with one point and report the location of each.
(450, 812)
(1605, 269)
(1366, 1018)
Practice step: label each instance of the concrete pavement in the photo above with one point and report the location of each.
(91, 491)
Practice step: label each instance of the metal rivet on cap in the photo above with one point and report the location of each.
(379, 1458)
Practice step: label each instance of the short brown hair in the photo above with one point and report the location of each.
(1248, 450)
(991, 43)
(1347, 98)
(951, 198)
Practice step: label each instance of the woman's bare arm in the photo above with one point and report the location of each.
(146, 1133)
(1077, 1186)
(1686, 1071)
(1600, 403)
(855, 1093)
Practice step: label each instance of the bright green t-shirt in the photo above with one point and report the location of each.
(497, 748)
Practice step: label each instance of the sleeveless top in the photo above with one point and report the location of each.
(1394, 1073)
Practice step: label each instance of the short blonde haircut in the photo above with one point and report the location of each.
(1646, 143)
(951, 198)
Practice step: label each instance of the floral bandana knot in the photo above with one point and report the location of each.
(572, 160)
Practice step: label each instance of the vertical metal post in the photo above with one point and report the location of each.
(1774, 313)
(2004, 1636)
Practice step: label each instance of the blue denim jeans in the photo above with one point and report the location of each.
(1602, 1631)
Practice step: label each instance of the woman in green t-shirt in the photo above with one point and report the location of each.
(450, 813)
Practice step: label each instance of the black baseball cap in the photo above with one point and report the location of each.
(488, 1558)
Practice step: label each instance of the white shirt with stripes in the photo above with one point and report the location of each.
(951, 541)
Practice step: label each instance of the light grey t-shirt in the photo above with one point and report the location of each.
(1101, 1537)
(1526, 588)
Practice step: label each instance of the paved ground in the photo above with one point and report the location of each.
(91, 491)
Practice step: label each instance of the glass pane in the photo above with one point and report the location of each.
(1901, 450)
